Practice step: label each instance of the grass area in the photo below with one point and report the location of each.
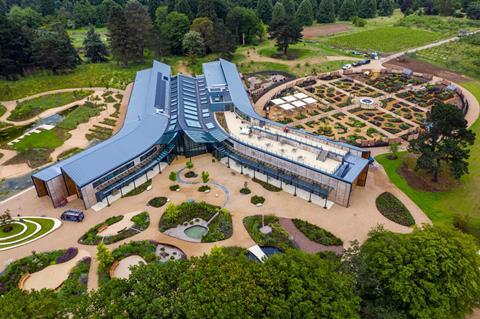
(220, 227)
(46, 225)
(81, 114)
(385, 39)
(78, 35)
(28, 109)
(393, 209)
(277, 238)
(441, 207)
(317, 234)
(460, 56)
(446, 25)
(66, 154)
(48, 139)
(140, 222)
(85, 75)
(10, 230)
(3, 109)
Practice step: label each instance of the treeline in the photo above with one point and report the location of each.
(430, 273)
(455, 8)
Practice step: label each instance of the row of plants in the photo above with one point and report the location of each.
(140, 221)
(393, 209)
(139, 189)
(278, 237)
(268, 187)
(317, 234)
(10, 277)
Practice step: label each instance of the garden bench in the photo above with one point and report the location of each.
(23, 279)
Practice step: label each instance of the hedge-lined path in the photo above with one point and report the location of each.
(303, 242)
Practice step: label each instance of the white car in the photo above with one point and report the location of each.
(347, 66)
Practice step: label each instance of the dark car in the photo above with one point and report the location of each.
(73, 215)
(355, 64)
(366, 61)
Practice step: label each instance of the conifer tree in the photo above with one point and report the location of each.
(304, 13)
(182, 6)
(95, 49)
(278, 12)
(367, 9)
(264, 10)
(385, 8)
(326, 11)
(206, 8)
(139, 30)
(117, 35)
(348, 10)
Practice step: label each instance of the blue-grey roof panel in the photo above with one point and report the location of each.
(214, 74)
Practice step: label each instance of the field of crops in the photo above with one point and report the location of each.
(385, 39)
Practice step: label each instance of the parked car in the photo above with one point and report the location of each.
(347, 66)
(73, 215)
(358, 63)
(366, 61)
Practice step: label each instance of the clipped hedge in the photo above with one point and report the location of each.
(317, 234)
(393, 209)
(140, 189)
(268, 187)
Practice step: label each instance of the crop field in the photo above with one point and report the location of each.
(384, 39)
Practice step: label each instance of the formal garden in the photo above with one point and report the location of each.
(17, 231)
(363, 109)
(197, 222)
(116, 228)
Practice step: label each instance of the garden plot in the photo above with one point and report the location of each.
(355, 88)
(385, 121)
(429, 95)
(332, 96)
(390, 82)
(404, 110)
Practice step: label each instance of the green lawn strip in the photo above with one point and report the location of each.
(109, 74)
(91, 237)
(15, 229)
(81, 114)
(385, 39)
(30, 108)
(220, 227)
(441, 207)
(279, 237)
(78, 35)
(393, 209)
(45, 223)
(317, 234)
(11, 275)
(139, 189)
(45, 139)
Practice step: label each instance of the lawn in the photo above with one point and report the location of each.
(384, 39)
(85, 75)
(80, 114)
(46, 225)
(446, 25)
(442, 206)
(28, 109)
(45, 139)
(78, 35)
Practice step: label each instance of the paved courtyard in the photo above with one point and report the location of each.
(352, 223)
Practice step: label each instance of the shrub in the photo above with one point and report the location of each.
(245, 190)
(268, 187)
(157, 201)
(203, 188)
(70, 253)
(359, 22)
(205, 177)
(317, 234)
(190, 174)
(76, 283)
(173, 176)
(189, 164)
(174, 187)
(141, 221)
(138, 190)
(393, 209)
(257, 200)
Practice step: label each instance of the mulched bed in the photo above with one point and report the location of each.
(393, 209)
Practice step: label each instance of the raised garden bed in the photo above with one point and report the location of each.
(393, 209)
(204, 188)
(317, 234)
(256, 200)
(157, 202)
(268, 187)
(139, 189)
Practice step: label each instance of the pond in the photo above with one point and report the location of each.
(196, 232)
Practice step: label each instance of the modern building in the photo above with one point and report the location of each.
(182, 115)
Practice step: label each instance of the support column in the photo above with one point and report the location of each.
(310, 197)
(325, 204)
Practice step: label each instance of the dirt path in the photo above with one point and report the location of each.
(325, 29)
(254, 56)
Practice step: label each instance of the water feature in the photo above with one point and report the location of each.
(267, 250)
(196, 231)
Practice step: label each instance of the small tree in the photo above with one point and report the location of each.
(5, 218)
(193, 45)
(394, 150)
(104, 256)
(205, 177)
(173, 176)
(189, 164)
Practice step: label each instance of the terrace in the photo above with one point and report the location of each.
(294, 147)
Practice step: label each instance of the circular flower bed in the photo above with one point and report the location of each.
(256, 200)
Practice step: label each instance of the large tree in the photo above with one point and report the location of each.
(193, 45)
(15, 48)
(385, 7)
(182, 6)
(445, 139)
(139, 28)
(264, 10)
(244, 24)
(289, 6)
(348, 10)
(117, 35)
(305, 13)
(95, 50)
(367, 9)
(430, 273)
(206, 8)
(175, 27)
(204, 26)
(53, 49)
(326, 11)
(285, 32)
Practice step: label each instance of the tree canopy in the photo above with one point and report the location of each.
(285, 32)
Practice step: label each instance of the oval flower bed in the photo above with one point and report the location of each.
(279, 237)
(393, 209)
(317, 234)
(140, 222)
(220, 227)
(10, 277)
(157, 202)
(257, 200)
